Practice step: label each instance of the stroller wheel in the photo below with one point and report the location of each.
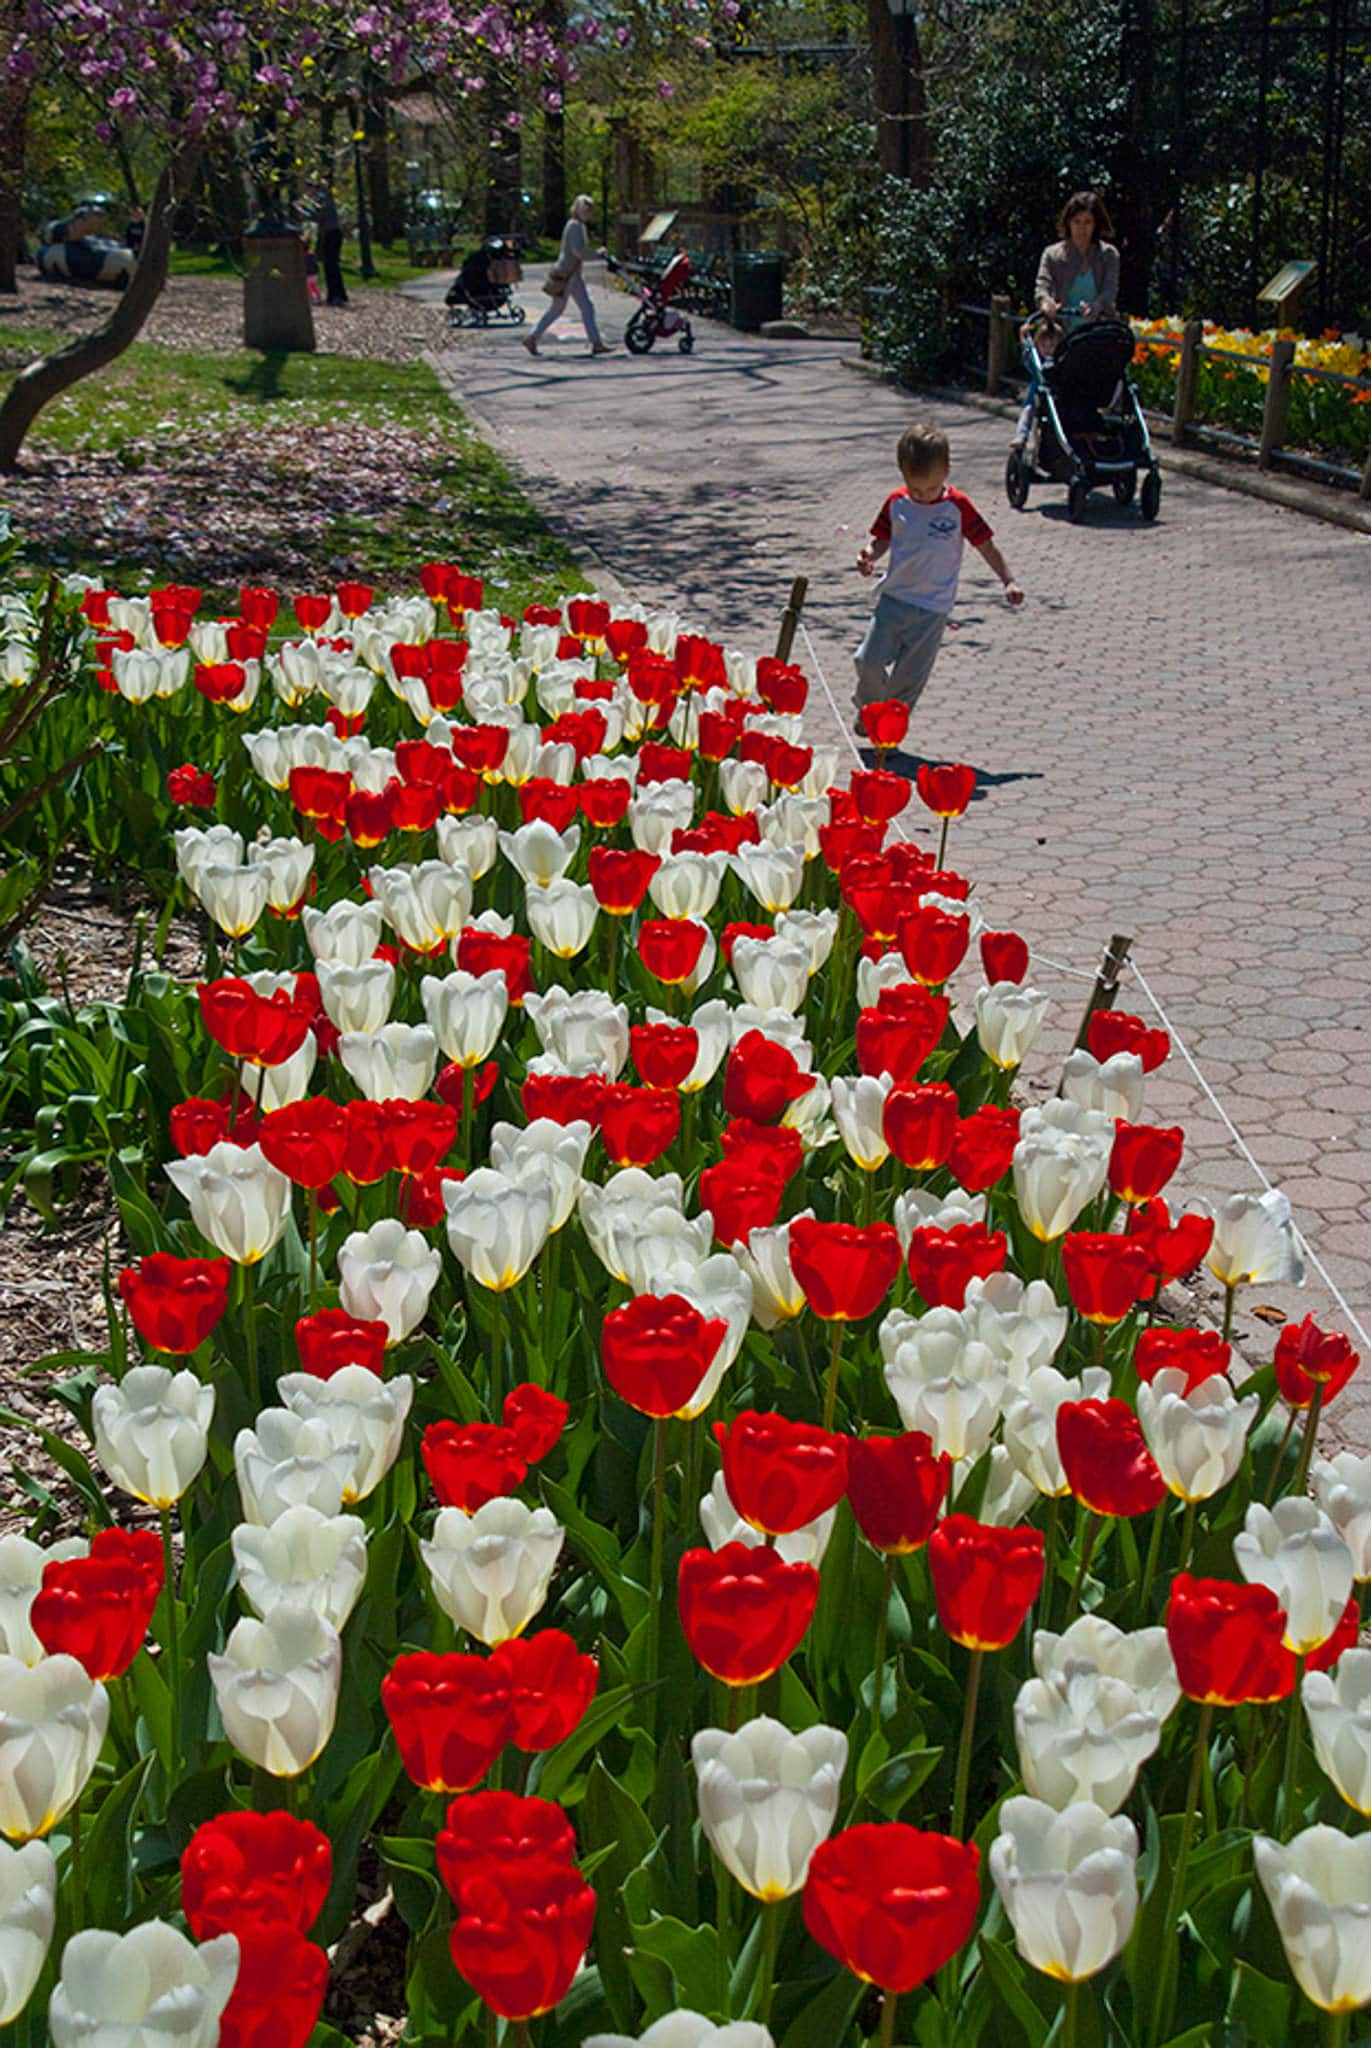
(639, 334)
(1016, 479)
(686, 344)
(1077, 498)
(518, 314)
(1125, 488)
(1150, 501)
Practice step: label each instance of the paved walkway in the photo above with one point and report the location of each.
(1173, 734)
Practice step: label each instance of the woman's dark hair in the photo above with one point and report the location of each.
(1091, 203)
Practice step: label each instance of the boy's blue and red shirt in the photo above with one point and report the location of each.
(926, 544)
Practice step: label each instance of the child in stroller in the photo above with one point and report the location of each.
(1083, 427)
(656, 317)
(483, 289)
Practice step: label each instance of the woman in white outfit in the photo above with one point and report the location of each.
(570, 259)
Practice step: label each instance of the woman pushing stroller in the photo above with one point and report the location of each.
(1078, 280)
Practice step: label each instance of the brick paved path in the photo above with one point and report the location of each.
(1173, 733)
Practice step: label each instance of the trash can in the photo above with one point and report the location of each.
(757, 280)
(276, 310)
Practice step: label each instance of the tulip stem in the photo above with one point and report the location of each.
(1154, 1550)
(1176, 1900)
(1092, 1536)
(312, 1210)
(760, 2002)
(1054, 1509)
(835, 1356)
(249, 1312)
(75, 1872)
(172, 1646)
(1299, 1485)
(892, 1998)
(658, 1552)
(1071, 2013)
(1292, 1754)
(1274, 1480)
(1337, 2029)
(468, 1110)
(967, 1743)
(942, 841)
(1187, 1536)
(1229, 1297)
(519, 2035)
(882, 1628)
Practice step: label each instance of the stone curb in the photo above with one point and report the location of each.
(1311, 499)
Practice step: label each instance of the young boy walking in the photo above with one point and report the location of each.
(923, 526)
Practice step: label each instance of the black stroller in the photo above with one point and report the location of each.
(482, 293)
(1087, 428)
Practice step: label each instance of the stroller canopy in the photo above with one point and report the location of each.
(1090, 361)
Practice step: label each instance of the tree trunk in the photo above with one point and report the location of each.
(898, 95)
(554, 171)
(42, 381)
(504, 160)
(14, 115)
(376, 121)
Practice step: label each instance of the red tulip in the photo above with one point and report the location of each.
(551, 1684)
(670, 947)
(740, 1195)
(604, 799)
(943, 1262)
(262, 1029)
(469, 1463)
(1105, 1274)
(892, 1903)
(175, 1303)
(200, 1122)
(245, 1869)
(623, 636)
(839, 844)
(982, 1150)
(1004, 956)
(462, 594)
(307, 1141)
(845, 1271)
(450, 1085)
(502, 1827)
(896, 1488)
(1111, 1031)
(744, 1611)
(946, 790)
(920, 1124)
(1228, 1641)
(587, 618)
(258, 607)
(278, 1993)
(421, 1133)
(638, 1124)
(985, 1579)
(368, 1157)
(1199, 1354)
(762, 1079)
(415, 807)
(1143, 1159)
(311, 611)
(700, 662)
(781, 1474)
(663, 1053)
(192, 786)
(1307, 1358)
(896, 1037)
(880, 796)
(565, 1098)
(659, 763)
(886, 722)
(1106, 1460)
(480, 952)
(521, 1933)
(781, 686)
(535, 1417)
(933, 943)
(656, 1351)
(369, 815)
(354, 598)
(1173, 1249)
(220, 682)
(717, 735)
(451, 1716)
(97, 1608)
(481, 747)
(773, 1152)
(740, 929)
(556, 803)
(331, 1339)
(1345, 1636)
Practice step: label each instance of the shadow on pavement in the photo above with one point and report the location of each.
(902, 763)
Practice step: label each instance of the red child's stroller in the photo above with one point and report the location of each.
(656, 317)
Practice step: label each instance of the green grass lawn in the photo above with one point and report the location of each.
(389, 260)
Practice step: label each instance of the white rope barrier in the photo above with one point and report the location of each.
(1131, 967)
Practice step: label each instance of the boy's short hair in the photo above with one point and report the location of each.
(923, 448)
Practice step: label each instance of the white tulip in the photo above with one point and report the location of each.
(234, 897)
(399, 1060)
(546, 1156)
(465, 1013)
(773, 874)
(1030, 1422)
(198, 848)
(150, 1988)
(350, 688)
(1255, 1241)
(373, 768)
(795, 819)
(772, 973)
(1082, 1736)
(717, 1286)
(777, 1025)
(284, 1461)
(1342, 1486)
(712, 1024)
(468, 843)
(137, 674)
(687, 884)
(287, 864)
(777, 1296)
(1141, 1659)
(1069, 1883)
(1114, 1086)
(538, 853)
(1197, 1438)
(151, 1431)
(386, 1275)
(52, 1728)
(723, 1524)
(347, 933)
(743, 785)
(767, 1799)
(424, 905)
(658, 812)
(562, 917)
(269, 1088)
(357, 998)
(1008, 1494)
(1022, 1322)
(496, 1225)
(238, 1200)
(815, 929)
(276, 1687)
(313, 1560)
(302, 667)
(21, 1576)
(1061, 1162)
(588, 1026)
(858, 1103)
(490, 1571)
(1318, 1886)
(28, 1914)
(873, 976)
(917, 1209)
(360, 1412)
(1337, 1705)
(1294, 1550)
(1008, 1021)
(947, 1384)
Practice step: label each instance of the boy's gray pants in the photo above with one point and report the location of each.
(896, 657)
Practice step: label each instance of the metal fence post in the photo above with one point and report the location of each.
(1184, 409)
(1277, 402)
(997, 346)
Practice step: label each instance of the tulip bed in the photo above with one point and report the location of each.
(613, 1414)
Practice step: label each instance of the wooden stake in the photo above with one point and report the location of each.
(1106, 984)
(790, 618)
